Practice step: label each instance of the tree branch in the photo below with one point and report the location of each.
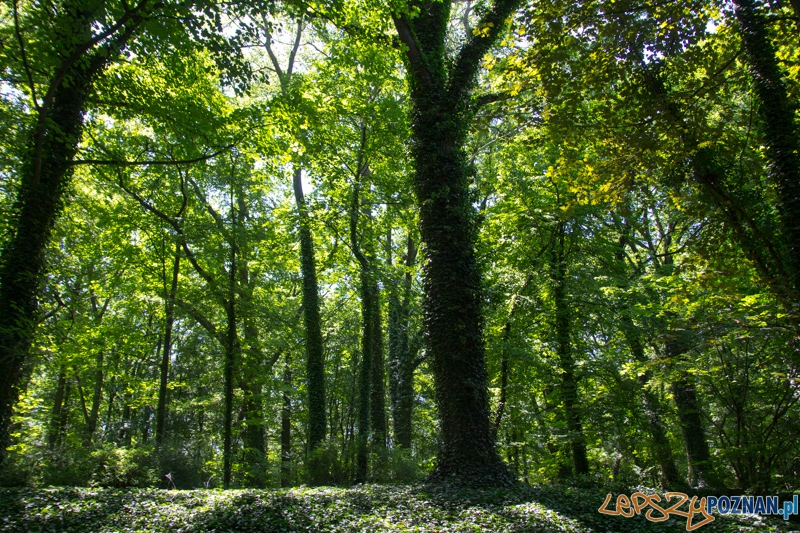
(166, 162)
(414, 54)
(485, 34)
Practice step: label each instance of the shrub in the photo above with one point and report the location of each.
(123, 467)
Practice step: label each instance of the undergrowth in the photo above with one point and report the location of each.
(366, 508)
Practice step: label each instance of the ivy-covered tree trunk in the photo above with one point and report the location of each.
(364, 379)
(366, 374)
(401, 355)
(315, 362)
(54, 430)
(47, 168)
(701, 469)
(653, 409)
(53, 142)
(569, 394)
(781, 133)
(286, 426)
(90, 414)
(377, 400)
(255, 443)
(228, 368)
(441, 116)
(169, 311)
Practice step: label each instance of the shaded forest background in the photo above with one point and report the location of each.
(213, 271)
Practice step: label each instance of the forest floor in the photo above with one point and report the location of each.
(366, 508)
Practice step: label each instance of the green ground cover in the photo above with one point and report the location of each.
(364, 508)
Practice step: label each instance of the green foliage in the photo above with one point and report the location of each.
(366, 508)
(116, 467)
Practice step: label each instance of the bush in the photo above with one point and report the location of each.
(123, 467)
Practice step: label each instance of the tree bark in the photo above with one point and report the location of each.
(377, 399)
(364, 380)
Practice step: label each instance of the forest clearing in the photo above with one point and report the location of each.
(419, 265)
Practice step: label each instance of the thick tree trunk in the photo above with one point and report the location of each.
(453, 316)
(44, 176)
(781, 133)
(569, 383)
(169, 305)
(441, 116)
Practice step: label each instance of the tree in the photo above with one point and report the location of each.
(441, 94)
(71, 46)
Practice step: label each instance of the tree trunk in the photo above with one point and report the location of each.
(286, 426)
(52, 144)
(701, 470)
(401, 356)
(781, 134)
(97, 396)
(58, 401)
(441, 116)
(364, 379)
(377, 399)
(315, 362)
(569, 383)
(252, 383)
(169, 305)
(659, 445)
(45, 173)
(368, 342)
(231, 347)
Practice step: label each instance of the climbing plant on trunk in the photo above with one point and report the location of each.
(443, 106)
